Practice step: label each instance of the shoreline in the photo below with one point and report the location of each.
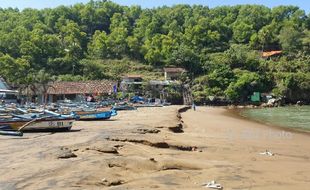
(236, 114)
(240, 141)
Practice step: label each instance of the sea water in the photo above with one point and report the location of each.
(296, 117)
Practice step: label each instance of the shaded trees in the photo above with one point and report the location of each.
(212, 44)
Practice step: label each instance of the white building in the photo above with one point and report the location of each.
(173, 73)
(7, 95)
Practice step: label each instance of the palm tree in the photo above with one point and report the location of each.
(43, 83)
(35, 84)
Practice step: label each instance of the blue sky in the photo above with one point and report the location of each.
(303, 4)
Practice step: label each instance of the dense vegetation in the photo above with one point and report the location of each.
(220, 47)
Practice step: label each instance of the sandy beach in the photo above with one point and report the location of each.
(157, 148)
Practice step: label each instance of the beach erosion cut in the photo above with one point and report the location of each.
(157, 148)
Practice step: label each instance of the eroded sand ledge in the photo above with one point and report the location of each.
(156, 148)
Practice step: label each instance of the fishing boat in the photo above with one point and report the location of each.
(37, 124)
(94, 115)
(124, 107)
(43, 121)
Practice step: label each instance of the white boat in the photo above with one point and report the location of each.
(40, 124)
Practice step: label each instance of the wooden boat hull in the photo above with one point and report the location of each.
(39, 125)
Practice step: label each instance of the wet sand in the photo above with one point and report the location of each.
(153, 148)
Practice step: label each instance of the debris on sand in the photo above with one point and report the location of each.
(108, 183)
(213, 185)
(267, 153)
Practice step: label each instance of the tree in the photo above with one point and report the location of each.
(116, 42)
(13, 70)
(72, 39)
(293, 86)
(101, 39)
(290, 39)
(267, 37)
(153, 50)
(43, 82)
(242, 32)
(98, 47)
(186, 58)
(241, 56)
(245, 85)
(202, 37)
(306, 41)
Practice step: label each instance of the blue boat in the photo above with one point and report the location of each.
(95, 115)
(124, 107)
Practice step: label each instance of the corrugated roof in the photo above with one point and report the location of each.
(132, 77)
(174, 70)
(87, 87)
(270, 53)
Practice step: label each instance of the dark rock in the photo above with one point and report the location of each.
(184, 109)
(153, 160)
(66, 154)
(177, 129)
(144, 131)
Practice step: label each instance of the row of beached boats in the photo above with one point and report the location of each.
(16, 120)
